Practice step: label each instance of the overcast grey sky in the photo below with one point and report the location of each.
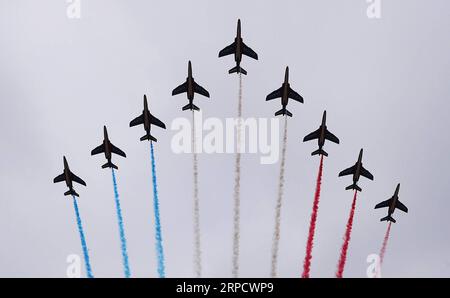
(383, 82)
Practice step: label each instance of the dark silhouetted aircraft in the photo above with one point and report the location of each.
(357, 170)
(238, 48)
(321, 135)
(190, 87)
(147, 119)
(69, 178)
(108, 148)
(392, 203)
(285, 92)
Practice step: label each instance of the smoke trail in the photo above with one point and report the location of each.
(312, 224)
(237, 187)
(348, 231)
(383, 247)
(123, 240)
(276, 235)
(197, 252)
(158, 234)
(83, 240)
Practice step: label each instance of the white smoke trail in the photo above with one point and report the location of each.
(237, 186)
(197, 250)
(276, 234)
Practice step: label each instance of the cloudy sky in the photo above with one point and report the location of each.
(383, 82)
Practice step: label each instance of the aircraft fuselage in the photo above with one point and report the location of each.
(358, 165)
(190, 84)
(67, 174)
(394, 200)
(323, 129)
(238, 41)
(147, 125)
(322, 136)
(107, 144)
(285, 89)
(357, 173)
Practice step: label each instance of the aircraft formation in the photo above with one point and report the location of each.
(238, 48)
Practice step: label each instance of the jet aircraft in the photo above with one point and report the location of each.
(147, 119)
(392, 203)
(285, 92)
(357, 171)
(108, 148)
(238, 48)
(69, 178)
(321, 135)
(190, 87)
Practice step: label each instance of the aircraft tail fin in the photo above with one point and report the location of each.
(283, 111)
(148, 137)
(320, 151)
(237, 69)
(71, 192)
(388, 218)
(190, 106)
(353, 186)
(109, 164)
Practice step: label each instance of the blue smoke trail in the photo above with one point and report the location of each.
(158, 236)
(83, 240)
(123, 241)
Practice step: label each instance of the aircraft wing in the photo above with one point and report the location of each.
(77, 179)
(348, 171)
(366, 173)
(98, 150)
(295, 96)
(117, 151)
(200, 90)
(246, 50)
(384, 204)
(399, 205)
(59, 178)
(331, 137)
(138, 120)
(231, 49)
(312, 136)
(180, 89)
(156, 121)
(275, 94)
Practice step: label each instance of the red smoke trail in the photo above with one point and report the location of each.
(312, 224)
(383, 247)
(348, 231)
